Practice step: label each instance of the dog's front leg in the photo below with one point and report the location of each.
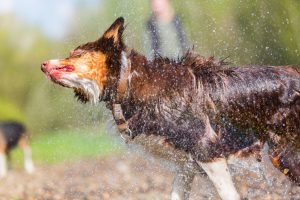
(183, 180)
(218, 173)
(3, 164)
(28, 164)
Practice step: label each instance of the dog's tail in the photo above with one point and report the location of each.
(287, 160)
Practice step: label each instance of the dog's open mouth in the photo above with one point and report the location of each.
(58, 70)
(55, 73)
(66, 68)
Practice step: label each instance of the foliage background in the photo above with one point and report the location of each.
(250, 31)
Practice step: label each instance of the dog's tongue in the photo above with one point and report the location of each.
(68, 68)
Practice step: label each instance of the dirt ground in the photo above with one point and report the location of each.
(130, 176)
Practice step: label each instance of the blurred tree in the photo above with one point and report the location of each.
(9, 111)
(249, 32)
(20, 54)
(270, 30)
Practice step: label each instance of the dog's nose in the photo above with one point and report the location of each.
(44, 66)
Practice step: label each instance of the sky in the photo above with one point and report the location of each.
(51, 16)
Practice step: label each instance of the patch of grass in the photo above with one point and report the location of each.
(60, 146)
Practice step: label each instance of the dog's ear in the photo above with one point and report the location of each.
(115, 31)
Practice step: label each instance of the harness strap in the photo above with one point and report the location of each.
(122, 124)
(123, 82)
(117, 111)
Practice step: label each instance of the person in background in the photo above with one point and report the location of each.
(164, 32)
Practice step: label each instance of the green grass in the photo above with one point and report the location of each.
(61, 146)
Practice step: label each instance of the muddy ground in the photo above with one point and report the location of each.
(130, 176)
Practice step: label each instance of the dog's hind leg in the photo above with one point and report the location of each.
(28, 164)
(218, 173)
(183, 180)
(3, 162)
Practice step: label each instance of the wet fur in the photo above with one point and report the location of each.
(202, 107)
(182, 99)
(239, 103)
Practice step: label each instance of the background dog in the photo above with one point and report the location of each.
(13, 134)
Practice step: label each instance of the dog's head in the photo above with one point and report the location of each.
(91, 66)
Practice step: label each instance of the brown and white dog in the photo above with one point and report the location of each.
(201, 110)
(13, 134)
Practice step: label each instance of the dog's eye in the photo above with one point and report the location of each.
(76, 53)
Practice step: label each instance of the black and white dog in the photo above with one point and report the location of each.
(13, 134)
